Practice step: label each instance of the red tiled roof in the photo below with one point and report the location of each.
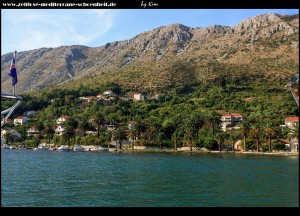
(236, 115)
(132, 122)
(232, 114)
(292, 119)
(20, 117)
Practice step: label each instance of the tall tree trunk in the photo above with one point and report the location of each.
(270, 144)
(245, 146)
(219, 143)
(175, 144)
(257, 145)
(191, 148)
(232, 145)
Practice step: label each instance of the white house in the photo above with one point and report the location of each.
(32, 131)
(230, 120)
(21, 120)
(59, 130)
(108, 93)
(138, 97)
(62, 119)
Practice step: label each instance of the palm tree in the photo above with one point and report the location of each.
(175, 137)
(232, 135)
(269, 132)
(213, 121)
(220, 135)
(98, 120)
(83, 124)
(189, 131)
(152, 133)
(119, 136)
(68, 133)
(133, 135)
(255, 133)
(40, 126)
(245, 127)
(49, 131)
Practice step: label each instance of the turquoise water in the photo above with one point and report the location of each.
(47, 178)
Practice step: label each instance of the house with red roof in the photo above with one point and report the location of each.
(290, 121)
(230, 120)
(33, 131)
(21, 120)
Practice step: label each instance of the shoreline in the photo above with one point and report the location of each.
(186, 150)
(210, 152)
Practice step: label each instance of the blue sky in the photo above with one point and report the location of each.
(27, 29)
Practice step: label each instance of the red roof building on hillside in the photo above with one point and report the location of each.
(290, 121)
(230, 120)
(21, 120)
(62, 119)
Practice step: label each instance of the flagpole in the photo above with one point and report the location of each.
(14, 86)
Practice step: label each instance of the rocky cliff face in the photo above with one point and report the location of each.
(266, 44)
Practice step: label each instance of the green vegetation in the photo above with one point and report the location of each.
(183, 115)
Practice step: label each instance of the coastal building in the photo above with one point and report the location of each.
(15, 135)
(138, 97)
(110, 127)
(230, 120)
(291, 121)
(62, 119)
(108, 93)
(59, 130)
(33, 131)
(21, 120)
(131, 124)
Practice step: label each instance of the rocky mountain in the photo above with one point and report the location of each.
(262, 47)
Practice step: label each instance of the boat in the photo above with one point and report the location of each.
(78, 148)
(5, 146)
(22, 147)
(43, 147)
(63, 148)
(98, 148)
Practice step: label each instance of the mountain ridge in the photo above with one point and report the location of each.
(265, 45)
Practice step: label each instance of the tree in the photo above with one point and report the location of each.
(69, 126)
(83, 124)
(176, 137)
(232, 135)
(49, 131)
(133, 135)
(255, 132)
(98, 120)
(213, 120)
(189, 131)
(245, 127)
(269, 132)
(119, 136)
(221, 136)
(40, 126)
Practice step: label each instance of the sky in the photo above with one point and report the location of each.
(28, 29)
